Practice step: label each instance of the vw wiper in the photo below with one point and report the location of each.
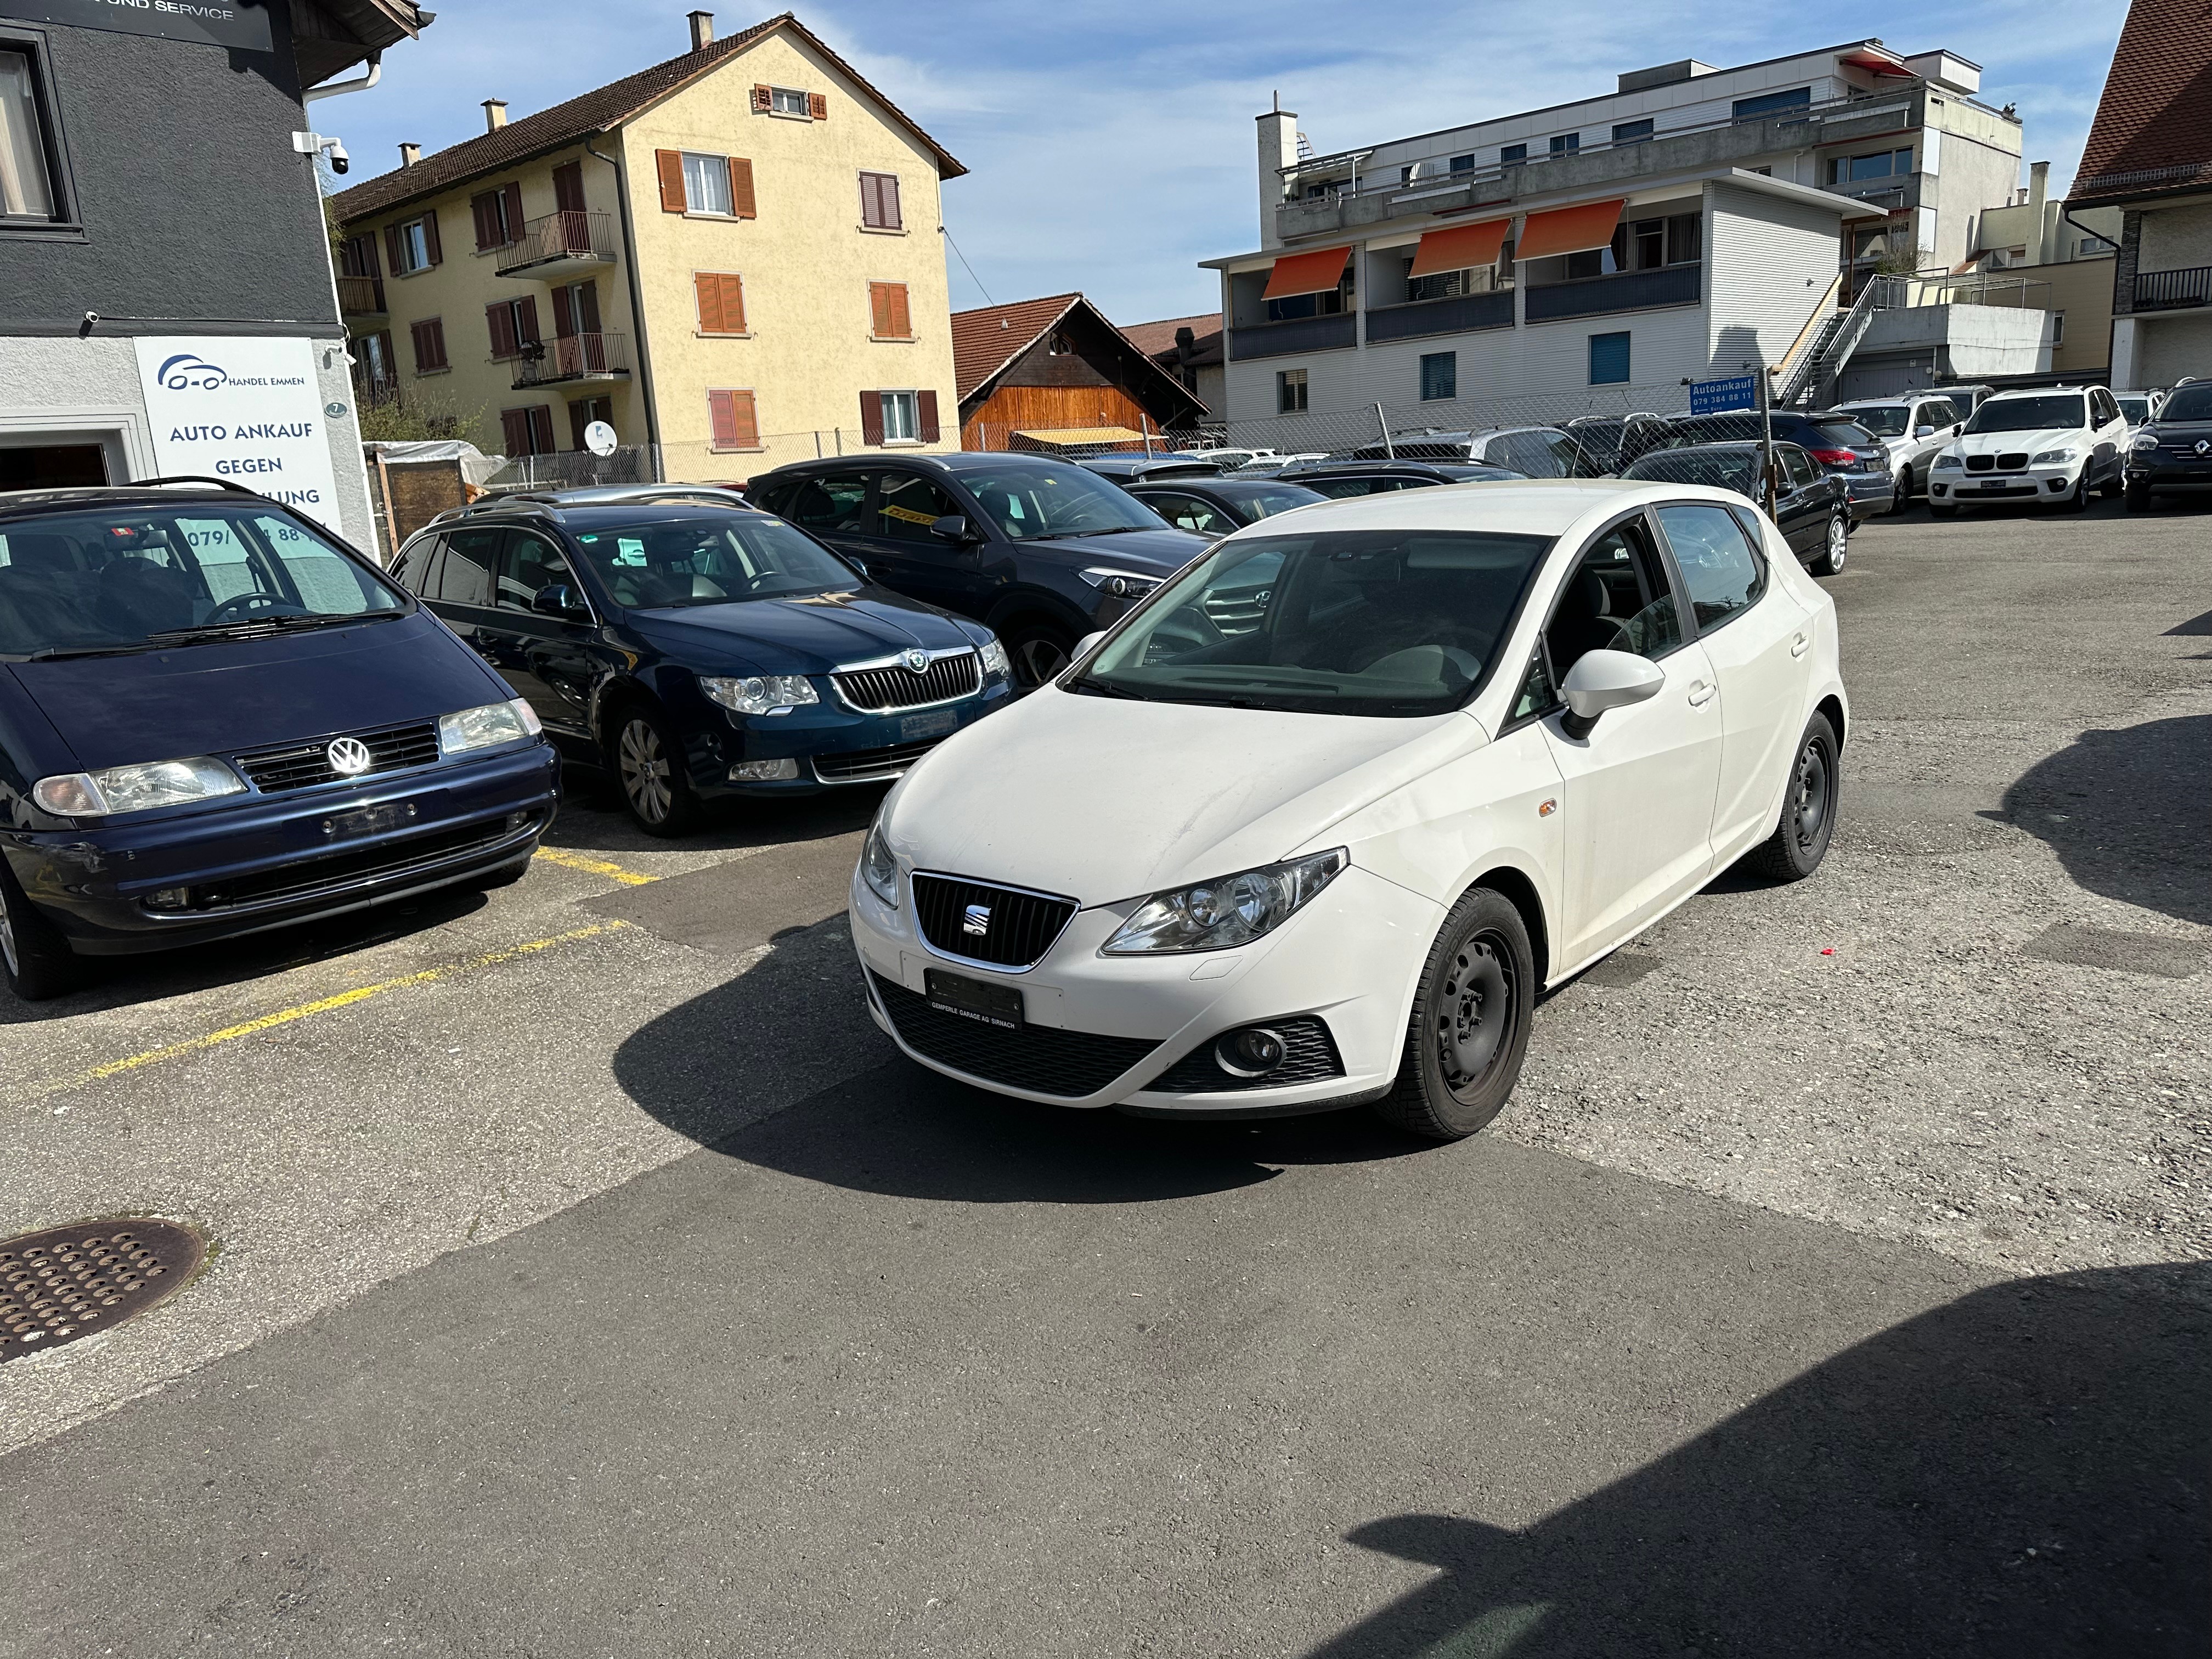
(255, 627)
(1109, 530)
(62, 652)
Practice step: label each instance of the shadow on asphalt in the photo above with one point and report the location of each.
(2022, 1471)
(591, 819)
(2124, 811)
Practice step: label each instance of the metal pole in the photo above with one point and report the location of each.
(1146, 422)
(1388, 452)
(1761, 382)
(391, 519)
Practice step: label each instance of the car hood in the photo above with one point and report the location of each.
(809, 635)
(1105, 800)
(247, 694)
(2033, 440)
(1161, 552)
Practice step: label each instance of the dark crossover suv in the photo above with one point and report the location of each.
(214, 718)
(1837, 443)
(1213, 507)
(1812, 508)
(695, 648)
(2173, 454)
(1340, 479)
(1041, 550)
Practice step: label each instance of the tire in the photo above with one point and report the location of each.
(646, 763)
(1903, 486)
(1801, 841)
(1470, 1028)
(2138, 498)
(35, 957)
(2114, 487)
(1039, 649)
(1829, 561)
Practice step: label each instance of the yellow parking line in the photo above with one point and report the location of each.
(568, 861)
(326, 1005)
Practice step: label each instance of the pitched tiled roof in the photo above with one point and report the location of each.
(2153, 129)
(985, 341)
(1153, 338)
(600, 110)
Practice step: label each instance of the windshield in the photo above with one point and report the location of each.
(142, 578)
(1721, 468)
(2026, 414)
(1883, 420)
(1256, 501)
(1027, 503)
(2192, 402)
(658, 564)
(1374, 621)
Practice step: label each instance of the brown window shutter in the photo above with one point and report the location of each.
(514, 194)
(871, 417)
(817, 106)
(901, 326)
(417, 331)
(927, 402)
(706, 288)
(764, 100)
(733, 304)
(525, 320)
(564, 321)
(721, 412)
(741, 189)
(437, 327)
(541, 429)
(499, 318)
(568, 191)
(587, 307)
(748, 416)
(872, 214)
(887, 195)
(515, 430)
(392, 249)
(483, 210)
(431, 235)
(670, 163)
(579, 416)
(879, 310)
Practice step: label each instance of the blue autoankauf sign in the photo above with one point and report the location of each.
(1721, 396)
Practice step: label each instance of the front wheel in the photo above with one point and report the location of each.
(1902, 486)
(1470, 1028)
(37, 960)
(2138, 497)
(2114, 487)
(1801, 841)
(647, 763)
(1039, 651)
(1835, 549)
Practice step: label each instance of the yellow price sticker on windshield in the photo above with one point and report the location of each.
(906, 515)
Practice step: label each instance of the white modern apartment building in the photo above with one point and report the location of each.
(1696, 221)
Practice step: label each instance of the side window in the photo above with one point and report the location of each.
(1537, 695)
(530, 565)
(1798, 466)
(1341, 489)
(906, 505)
(830, 501)
(1531, 452)
(1189, 513)
(465, 574)
(420, 569)
(1617, 600)
(1724, 576)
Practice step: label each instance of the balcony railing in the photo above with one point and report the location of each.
(361, 296)
(1305, 334)
(1457, 315)
(567, 236)
(2167, 290)
(1630, 290)
(572, 357)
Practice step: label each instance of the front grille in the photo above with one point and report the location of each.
(863, 765)
(1020, 928)
(1041, 1059)
(2012, 460)
(302, 765)
(880, 690)
(1981, 463)
(387, 858)
(1309, 1056)
(1237, 612)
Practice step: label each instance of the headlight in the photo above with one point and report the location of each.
(1947, 463)
(2145, 443)
(877, 867)
(135, 788)
(1122, 584)
(757, 694)
(487, 727)
(2053, 458)
(995, 657)
(1212, 915)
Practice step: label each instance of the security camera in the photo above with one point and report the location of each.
(340, 163)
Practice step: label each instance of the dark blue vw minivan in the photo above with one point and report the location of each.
(214, 718)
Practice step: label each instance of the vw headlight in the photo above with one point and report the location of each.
(2145, 443)
(995, 657)
(877, 867)
(2053, 458)
(1214, 915)
(760, 694)
(1948, 463)
(1121, 584)
(487, 727)
(135, 788)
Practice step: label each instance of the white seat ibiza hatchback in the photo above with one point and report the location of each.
(1313, 825)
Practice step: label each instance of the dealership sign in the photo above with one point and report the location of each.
(241, 23)
(243, 409)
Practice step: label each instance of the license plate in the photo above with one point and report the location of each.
(998, 1006)
(369, 820)
(1987, 487)
(934, 724)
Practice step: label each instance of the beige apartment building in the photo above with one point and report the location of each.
(732, 258)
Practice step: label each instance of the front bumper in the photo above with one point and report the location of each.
(1975, 488)
(261, 862)
(2164, 472)
(1348, 961)
(830, 746)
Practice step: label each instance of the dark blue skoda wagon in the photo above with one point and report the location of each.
(215, 718)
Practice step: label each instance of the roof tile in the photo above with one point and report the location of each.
(2154, 128)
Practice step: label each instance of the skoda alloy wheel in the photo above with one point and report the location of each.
(648, 763)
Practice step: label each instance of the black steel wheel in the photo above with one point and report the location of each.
(35, 957)
(1801, 840)
(647, 763)
(1469, 1027)
(1039, 650)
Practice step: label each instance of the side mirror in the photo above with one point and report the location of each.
(1084, 645)
(1923, 431)
(859, 564)
(1606, 679)
(558, 600)
(954, 527)
(1957, 429)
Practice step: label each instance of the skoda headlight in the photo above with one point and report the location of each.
(1947, 462)
(995, 657)
(877, 867)
(760, 694)
(1212, 915)
(487, 727)
(135, 788)
(2053, 458)
(2145, 443)
(1121, 584)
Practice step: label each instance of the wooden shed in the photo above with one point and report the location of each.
(1054, 373)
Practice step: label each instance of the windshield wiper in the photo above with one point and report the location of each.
(62, 652)
(1101, 688)
(257, 627)
(1110, 529)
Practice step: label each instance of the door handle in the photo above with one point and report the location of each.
(1701, 694)
(1799, 644)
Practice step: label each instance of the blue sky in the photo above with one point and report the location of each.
(1110, 146)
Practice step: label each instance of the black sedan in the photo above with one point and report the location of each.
(1340, 479)
(1838, 445)
(1211, 508)
(1812, 506)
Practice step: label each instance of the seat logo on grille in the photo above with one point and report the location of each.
(976, 920)
(349, 757)
(918, 662)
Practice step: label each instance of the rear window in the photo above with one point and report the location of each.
(1841, 435)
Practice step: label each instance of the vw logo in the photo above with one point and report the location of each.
(349, 757)
(976, 920)
(917, 661)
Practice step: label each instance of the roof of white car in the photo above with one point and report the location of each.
(1527, 506)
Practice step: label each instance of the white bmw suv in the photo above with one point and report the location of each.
(2050, 447)
(1313, 824)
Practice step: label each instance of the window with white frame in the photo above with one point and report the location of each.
(412, 247)
(786, 101)
(901, 417)
(706, 185)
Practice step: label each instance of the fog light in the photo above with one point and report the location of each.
(763, 771)
(1942, 490)
(169, 898)
(1253, 1052)
(2058, 486)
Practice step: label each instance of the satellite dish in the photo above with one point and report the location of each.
(600, 438)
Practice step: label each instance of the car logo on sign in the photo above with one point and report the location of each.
(976, 920)
(917, 661)
(349, 757)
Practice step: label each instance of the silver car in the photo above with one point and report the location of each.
(1913, 429)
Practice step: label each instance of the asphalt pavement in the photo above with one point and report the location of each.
(591, 1278)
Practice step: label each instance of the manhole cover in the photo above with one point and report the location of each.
(76, 1281)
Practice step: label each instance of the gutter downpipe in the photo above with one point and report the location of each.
(636, 304)
(359, 83)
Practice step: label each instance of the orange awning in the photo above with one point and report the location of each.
(1875, 63)
(1461, 248)
(1570, 229)
(1307, 273)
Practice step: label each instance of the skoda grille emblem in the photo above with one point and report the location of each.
(349, 757)
(919, 660)
(976, 920)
